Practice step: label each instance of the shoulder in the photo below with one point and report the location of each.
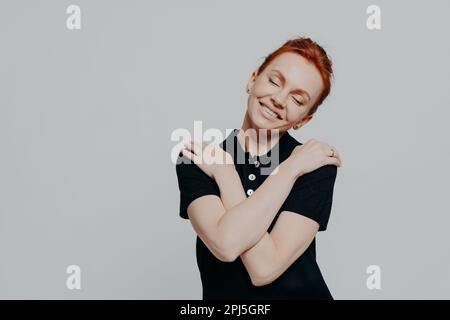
(184, 166)
(326, 171)
(322, 177)
(290, 141)
(189, 173)
(182, 161)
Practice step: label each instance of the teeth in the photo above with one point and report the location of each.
(273, 114)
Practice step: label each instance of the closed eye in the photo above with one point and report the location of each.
(298, 102)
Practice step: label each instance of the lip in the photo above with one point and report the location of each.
(261, 104)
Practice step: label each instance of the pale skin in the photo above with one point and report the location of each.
(235, 226)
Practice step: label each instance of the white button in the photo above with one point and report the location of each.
(249, 192)
(256, 163)
(252, 177)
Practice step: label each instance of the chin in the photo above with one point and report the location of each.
(260, 122)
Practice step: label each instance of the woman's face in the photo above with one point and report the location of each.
(281, 96)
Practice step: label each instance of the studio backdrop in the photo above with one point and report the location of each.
(92, 92)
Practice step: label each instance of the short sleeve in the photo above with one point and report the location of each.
(312, 195)
(193, 183)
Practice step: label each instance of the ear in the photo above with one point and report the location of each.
(251, 81)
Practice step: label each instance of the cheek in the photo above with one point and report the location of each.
(261, 89)
(252, 102)
(295, 114)
(252, 107)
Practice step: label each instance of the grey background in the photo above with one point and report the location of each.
(86, 118)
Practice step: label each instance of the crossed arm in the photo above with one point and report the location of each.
(234, 225)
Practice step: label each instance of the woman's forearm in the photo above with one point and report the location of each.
(246, 220)
(262, 256)
(231, 190)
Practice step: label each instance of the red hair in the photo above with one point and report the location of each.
(312, 52)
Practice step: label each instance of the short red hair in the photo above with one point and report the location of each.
(312, 52)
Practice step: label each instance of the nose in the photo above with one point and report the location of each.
(277, 102)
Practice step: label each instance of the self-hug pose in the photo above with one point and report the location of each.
(255, 231)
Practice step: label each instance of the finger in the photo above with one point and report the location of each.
(199, 145)
(331, 151)
(187, 154)
(333, 161)
(188, 145)
(191, 156)
(336, 154)
(210, 153)
(208, 149)
(327, 150)
(197, 150)
(337, 162)
(194, 149)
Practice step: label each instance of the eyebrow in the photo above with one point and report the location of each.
(299, 90)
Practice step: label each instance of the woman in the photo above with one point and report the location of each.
(256, 232)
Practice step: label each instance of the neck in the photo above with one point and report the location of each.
(258, 143)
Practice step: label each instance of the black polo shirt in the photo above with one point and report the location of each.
(311, 196)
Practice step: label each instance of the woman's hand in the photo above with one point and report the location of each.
(210, 158)
(312, 155)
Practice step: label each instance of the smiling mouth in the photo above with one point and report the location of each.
(269, 113)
